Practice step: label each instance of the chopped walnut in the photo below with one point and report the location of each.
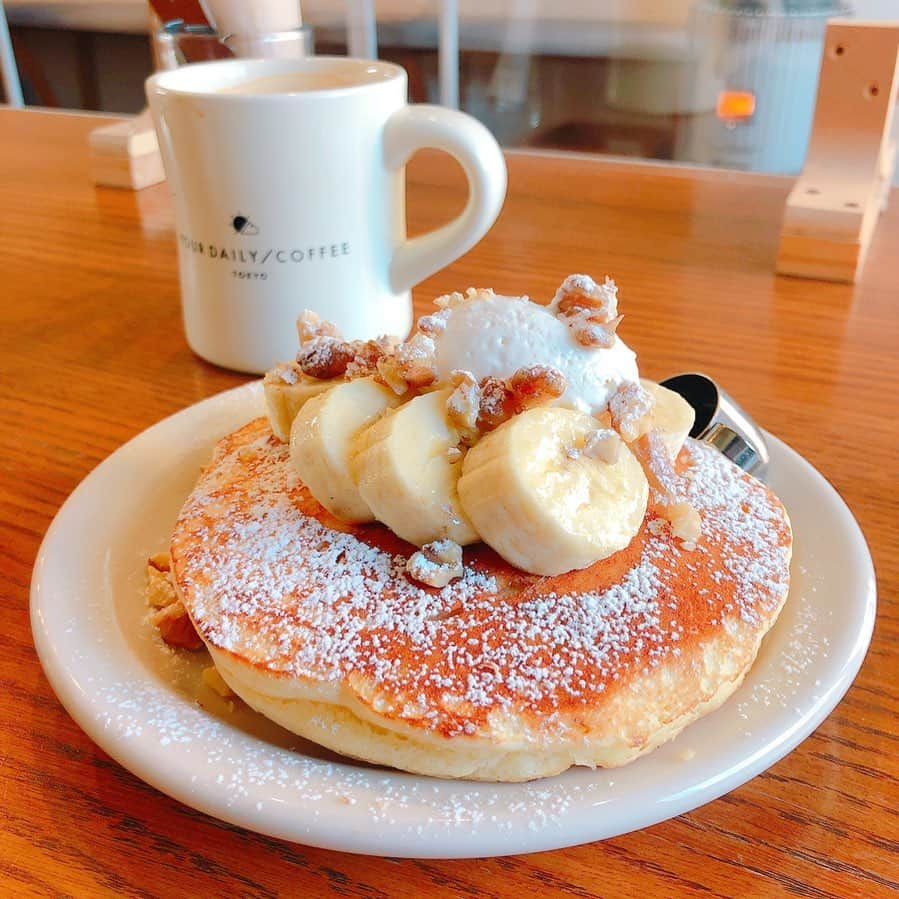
(160, 561)
(536, 385)
(464, 403)
(389, 374)
(367, 355)
(533, 385)
(461, 377)
(325, 357)
(170, 617)
(286, 373)
(590, 310)
(591, 333)
(160, 591)
(631, 410)
(686, 522)
(448, 300)
(416, 360)
(436, 564)
(582, 292)
(412, 365)
(176, 628)
(432, 325)
(310, 327)
(497, 404)
(603, 445)
(215, 682)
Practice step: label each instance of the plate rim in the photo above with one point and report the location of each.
(174, 783)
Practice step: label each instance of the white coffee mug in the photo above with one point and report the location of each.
(289, 191)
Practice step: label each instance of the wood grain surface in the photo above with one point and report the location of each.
(92, 352)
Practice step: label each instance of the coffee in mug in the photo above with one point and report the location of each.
(288, 184)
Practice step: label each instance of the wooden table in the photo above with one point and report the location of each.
(92, 352)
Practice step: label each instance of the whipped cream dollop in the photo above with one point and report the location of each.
(489, 334)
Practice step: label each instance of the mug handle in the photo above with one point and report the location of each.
(414, 128)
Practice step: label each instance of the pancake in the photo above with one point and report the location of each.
(499, 676)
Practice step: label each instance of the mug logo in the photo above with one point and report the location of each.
(242, 225)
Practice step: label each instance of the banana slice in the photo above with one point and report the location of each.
(284, 400)
(405, 472)
(672, 415)
(320, 440)
(546, 505)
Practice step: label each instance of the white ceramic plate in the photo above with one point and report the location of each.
(136, 698)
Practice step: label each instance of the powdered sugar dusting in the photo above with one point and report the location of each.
(268, 580)
(127, 700)
(737, 513)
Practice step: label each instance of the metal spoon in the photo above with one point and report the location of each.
(721, 421)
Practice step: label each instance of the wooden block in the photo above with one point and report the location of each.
(833, 208)
(129, 172)
(819, 258)
(126, 154)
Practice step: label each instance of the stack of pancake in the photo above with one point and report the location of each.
(501, 675)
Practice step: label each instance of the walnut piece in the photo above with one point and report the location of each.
(432, 325)
(325, 357)
(497, 404)
(389, 374)
(160, 561)
(310, 327)
(416, 358)
(285, 372)
(686, 522)
(160, 591)
(411, 367)
(603, 445)
(591, 333)
(536, 385)
(448, 300)
(582, 292)
(464, 403)
(530, 386)
(589, 309)
(170, 617)
(436, 564)
(368, 353)
(176, 628)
